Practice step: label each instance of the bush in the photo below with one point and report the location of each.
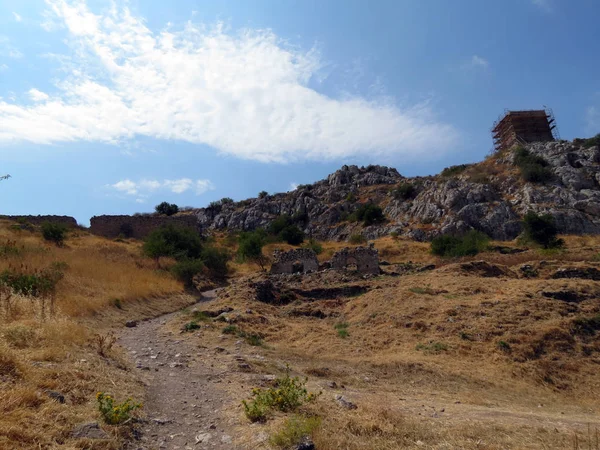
(533, 168)
(455, 246)
(342, 329)
(351, 197)
(175, 242)
(432, 347)
(263, 194)
(227, 201)
(404, 192)
(250, 247)
(314, 245)
(54, 232)
(591, 142)
(114, 414)
(293, 430)
(292, 235)
(215, 261)
(541, 230)
(167, 209)
(287, 395)
(357, 239)
(454, 170)
(185, 270)
(279, 224)
(369, 214)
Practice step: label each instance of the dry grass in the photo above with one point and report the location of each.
(62, 353)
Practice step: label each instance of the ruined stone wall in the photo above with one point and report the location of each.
(365, 258)
(295, 261)
(137, 227)
(38, 220)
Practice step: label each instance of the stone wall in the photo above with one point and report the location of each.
(137, 227)
(366, 260)
(38, 220)
(299, 260)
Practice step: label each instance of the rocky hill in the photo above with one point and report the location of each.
(491, 196)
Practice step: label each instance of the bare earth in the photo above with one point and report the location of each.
(184, 400)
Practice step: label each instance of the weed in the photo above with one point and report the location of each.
(254, 340)
(200, 316)
(191, 326)
(432, 347)
(115, 414)
(288, 394)
(586, 326)
(342, 329)
(465, 336)
(293, 430)
(20, 336)
(117, 303)
(504, 346)
(357, 239)
(314, 245)
(230, 329)
(454, 170)
(104, 343)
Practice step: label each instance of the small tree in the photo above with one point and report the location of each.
(176, 242)
(468, 244)
(369, 214)
(250, 247)
(404, 191)
(263, 194)
(292, 235)
(54, 232)
(168, 209)
(541, 229)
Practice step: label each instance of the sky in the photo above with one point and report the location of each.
(111, 107)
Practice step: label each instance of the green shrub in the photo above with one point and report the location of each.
(8, 248)
(351, 197)
(253, 339)
(185, 270)
(114, 414)
(32, 283)
(369, 214)
(454, 170)
(292, 235)
(175, 242)
(394, 235)
(166, 208)
(432, 347)
(287, 395)
(293, 430)
(263, 194)
(469, 244)
(357, 239)
(404, 192)
(590, 142)
(191, 326)
(227, 201)
(533, 168)
(504, 346)
(250, 247)
(342, 329)
(215, 261)
(586, 326)
(541, 230)
(279, 224)
(54, 232)
(230, 329)
(314, 245)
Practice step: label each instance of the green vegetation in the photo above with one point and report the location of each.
(368, 213)
(314, 245)
(351, 197)
(185, 270)
(191, 326)
(504, 346)
(227, 201)
(9, 248)
(287, 395)
(293, 430)
(166, 208)
(284, 228)
(586, 326)
(250, 247)
(404, 191)
(115, 413)
(342, 329)
(540, 229)
(533, 168)
(174, 242)
(54, 232)
(452, 171)
(229, 329)
(263, 194)
(586, 143)
(469, 244)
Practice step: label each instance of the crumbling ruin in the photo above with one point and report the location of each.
(301, 260)
(524, 127)
(364, 259)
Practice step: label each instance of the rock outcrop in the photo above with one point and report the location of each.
(490, 196)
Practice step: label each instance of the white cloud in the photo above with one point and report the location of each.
(145, 187)
(8, 50)
(545, 5)
(476, 62)
(17, 17)
(293, 186)
(245, 94)
(593, 120)
(38, 96)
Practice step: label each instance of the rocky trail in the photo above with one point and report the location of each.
(184, 403)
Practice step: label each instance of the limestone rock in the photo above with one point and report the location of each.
(89, 430)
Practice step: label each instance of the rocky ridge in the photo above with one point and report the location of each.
(489, 196)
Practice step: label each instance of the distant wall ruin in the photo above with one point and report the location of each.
(300, 260)
(38, 220)
(366, 260)
(137, 227)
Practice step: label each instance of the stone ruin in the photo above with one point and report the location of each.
(301, 260)
(365, 259)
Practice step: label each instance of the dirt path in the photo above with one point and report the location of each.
(184, 400)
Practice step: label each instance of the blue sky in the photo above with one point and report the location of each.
(113, 107)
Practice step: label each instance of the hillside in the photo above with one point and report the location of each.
(490, 196)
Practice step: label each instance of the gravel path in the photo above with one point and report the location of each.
(184, 400)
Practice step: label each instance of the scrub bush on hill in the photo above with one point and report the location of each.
(468, 244)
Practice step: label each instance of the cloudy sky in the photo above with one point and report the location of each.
(113, 107)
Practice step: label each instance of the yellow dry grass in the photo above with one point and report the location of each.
(105, 283)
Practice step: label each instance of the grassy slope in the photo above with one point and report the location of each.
(60, 353)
